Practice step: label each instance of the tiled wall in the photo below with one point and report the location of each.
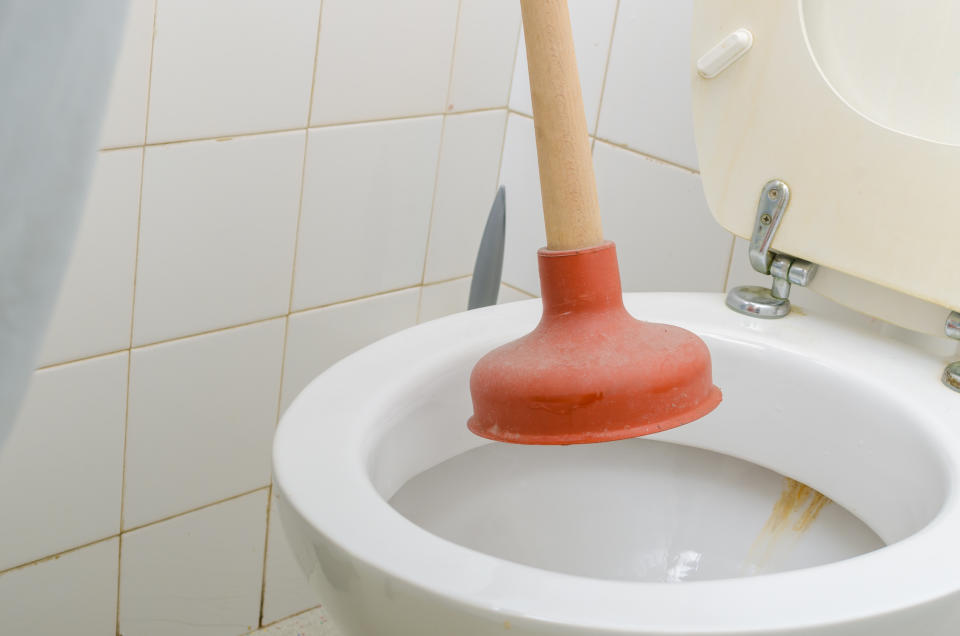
(281, 183)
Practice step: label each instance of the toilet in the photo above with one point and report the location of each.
(821, 498)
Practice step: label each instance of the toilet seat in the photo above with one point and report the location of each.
(343, 449)
(873, 206)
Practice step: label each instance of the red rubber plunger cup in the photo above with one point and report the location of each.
(590, 372)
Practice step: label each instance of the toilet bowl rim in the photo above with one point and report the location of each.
(880, 573)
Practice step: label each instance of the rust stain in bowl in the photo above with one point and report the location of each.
(794, 512)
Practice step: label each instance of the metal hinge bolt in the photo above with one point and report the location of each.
(786, 270)
(951, 375)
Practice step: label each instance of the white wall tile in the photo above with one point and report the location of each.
(511, 295)
(222, 67)
(126, 114)
(443, 299)
(525, 232)
(667, 240)
(61, 466)
(197, 574)
(318, 338)
(366, 209)
(202, 415)
(592, 23)
(75, 593)
(483, 61)
(287, 590)
(450, 297)
(382, 58)
(92, 314)
(646, 102)
(466, 187)
(217, 232)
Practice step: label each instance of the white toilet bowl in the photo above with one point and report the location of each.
(409, 525)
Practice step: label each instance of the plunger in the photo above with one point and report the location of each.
(589, 372)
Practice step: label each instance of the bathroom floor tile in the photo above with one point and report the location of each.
(311, 623)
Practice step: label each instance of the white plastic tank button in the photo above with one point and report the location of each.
(726, 52)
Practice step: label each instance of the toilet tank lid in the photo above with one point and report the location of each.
(867, 200)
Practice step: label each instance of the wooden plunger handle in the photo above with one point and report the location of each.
(570, 209)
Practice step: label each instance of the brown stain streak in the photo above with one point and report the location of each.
(795, 498)
(812, 512)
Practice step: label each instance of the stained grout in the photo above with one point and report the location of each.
(517, 289)
(57, 555)
(603, 81)
(625, 147)
(196, 509)
(133, 302)
(653, 158)
(310, 126)
(286, 321)
(266, 543)
(124, 531)
(240, 325)
(436, 172)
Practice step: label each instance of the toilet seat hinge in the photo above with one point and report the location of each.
(786, 270)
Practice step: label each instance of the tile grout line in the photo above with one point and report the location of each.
(436, 172)
(447, 280)
(119, 567)
(624, 147)
(303, 168)
(133, 304)
(286, 320)
(277, 131)
(192, 510)
(517, 289)
(117, 535)
(433, 203)
(513, 71)
(266, 542)
(506, 113)
(258, 321)
(606, 70)
(56, 555)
